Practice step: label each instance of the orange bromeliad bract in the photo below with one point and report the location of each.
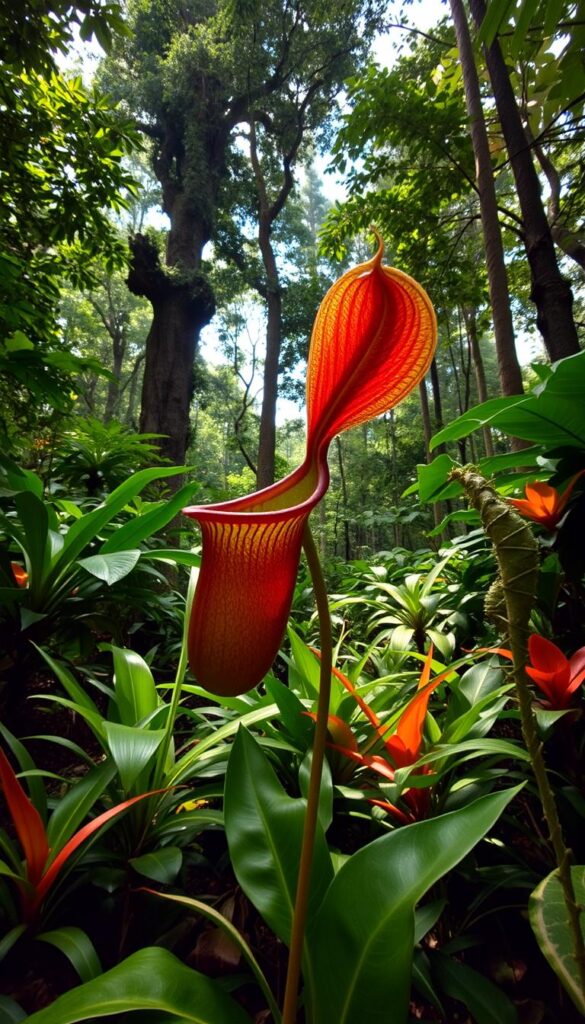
(543, 504)
(373, 340)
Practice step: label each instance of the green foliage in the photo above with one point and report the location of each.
(548, 919)
(62, 169)
(72, 557)
(95, 457)
(151, 979)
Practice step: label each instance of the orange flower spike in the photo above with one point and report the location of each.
(373, 341)
(543, 504)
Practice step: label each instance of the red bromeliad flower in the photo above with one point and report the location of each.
(41, 867)
(373, 340)
(543, 503)
(557, 676)
(401, 749)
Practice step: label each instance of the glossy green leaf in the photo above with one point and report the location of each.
(264, 828)
(552, 417)
(88, 527)
(72, 809)
(72, 688)
(132, 749)
(136, 694)
(305, 665)
(486, 1003)
(161, 865)
(291, 710)
(365, 925)
(213, 915)
(184, 767)
(548, 917)
(434, 478)
(150, 522)
(34, 519)
(76, 945)
(151, 979)
(110, 567)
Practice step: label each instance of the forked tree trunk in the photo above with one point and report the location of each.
(551, 293)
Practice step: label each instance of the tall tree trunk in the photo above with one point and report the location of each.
(180, 310)
(267, 438)
(469, 316)
(551, 293)
(113, 392)
(346, 537)
(508, 365)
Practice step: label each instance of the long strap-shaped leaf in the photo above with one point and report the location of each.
(151, 979)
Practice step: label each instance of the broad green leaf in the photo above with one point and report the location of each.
(291, 711)
(496, 12)
(142, 526)
(88, 527)
(161, 865)
(18, 342)
(20, 479)
(182, 769)
(306, 666)
(34, 519)
(76, 945)
(365, 925)
(264, 829)
(136, 694)
(552, 417)
(479, 680)
(132, 749)
(111, 567)
(475, 418)
(72, 688)
(72, 809)
(239, 941)
(433, 478)
(174, 556)
(486, 1003)
(548, 917)
(151, 979)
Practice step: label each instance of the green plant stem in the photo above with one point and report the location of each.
(165, 746)
(289, 1010)
(517, 555)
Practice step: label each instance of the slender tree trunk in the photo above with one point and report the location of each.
(550, 292)
(469, 316)
(267, 438)
(113, 392)
(347, 549)
(180, 310)
(508, 365)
